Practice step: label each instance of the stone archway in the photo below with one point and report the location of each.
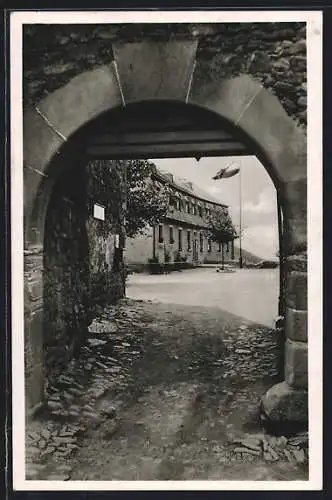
(168, 71)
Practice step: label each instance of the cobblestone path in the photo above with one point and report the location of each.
(165, 392)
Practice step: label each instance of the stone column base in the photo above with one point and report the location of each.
(284, 409)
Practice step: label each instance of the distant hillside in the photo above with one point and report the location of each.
(248, 257)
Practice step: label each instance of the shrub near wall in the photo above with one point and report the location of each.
(107, 274)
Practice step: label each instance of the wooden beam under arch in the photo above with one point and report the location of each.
(167, 144)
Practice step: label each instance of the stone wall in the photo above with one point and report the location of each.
(80, 265)
(33, 326)
(272, 53)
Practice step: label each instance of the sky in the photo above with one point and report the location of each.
(259, 205)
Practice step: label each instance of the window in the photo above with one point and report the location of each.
(160, 234)
(171, 235)
(194, 209)
(200, 211)
(187, 207)
(189, 240)
(174, 202)
(201, 242)
(209, 245)
(180, 240)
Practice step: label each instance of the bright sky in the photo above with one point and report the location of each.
(259, 205)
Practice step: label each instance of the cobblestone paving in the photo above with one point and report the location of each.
(165, 392)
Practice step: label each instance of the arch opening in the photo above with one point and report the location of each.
(275, 156)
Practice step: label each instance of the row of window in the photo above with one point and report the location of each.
(180, 247)
(189, 208)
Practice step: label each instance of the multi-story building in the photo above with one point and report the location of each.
(182, 235)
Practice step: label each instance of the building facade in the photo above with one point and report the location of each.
(183, 234)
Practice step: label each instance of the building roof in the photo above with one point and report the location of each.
(188, 187)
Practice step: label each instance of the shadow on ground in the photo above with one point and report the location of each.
(193, 398)
(172, 393)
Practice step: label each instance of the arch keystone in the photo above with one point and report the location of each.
(155, 70)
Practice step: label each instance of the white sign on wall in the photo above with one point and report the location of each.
(98, 211)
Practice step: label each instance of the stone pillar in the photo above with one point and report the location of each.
(33, 326)
(288, 401)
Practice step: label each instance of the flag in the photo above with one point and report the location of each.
(226, 172)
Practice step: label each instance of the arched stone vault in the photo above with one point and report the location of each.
(148, 71)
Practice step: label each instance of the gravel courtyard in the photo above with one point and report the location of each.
(166, 392)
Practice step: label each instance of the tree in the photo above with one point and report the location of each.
(146, 200)
(221, 228)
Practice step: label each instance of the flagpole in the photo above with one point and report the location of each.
(220, 175)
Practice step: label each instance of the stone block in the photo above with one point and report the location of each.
(33, 282)
(82, 99)
(258, 114)
(296, 364)
(33, 358)
(297, 262)
(27, 300)
(155, 70)
(297, 290)
(295, 235)
(283, 404)
(34, 387)
(36, 336)
(36, 290)
(227, 97)
(296, 192)
(267, 123)
(296, 325)
(294, 197)
(40, 143)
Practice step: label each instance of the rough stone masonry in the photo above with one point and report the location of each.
(272, 53)
(81, 265)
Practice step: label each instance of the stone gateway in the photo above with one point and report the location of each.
(250, 78)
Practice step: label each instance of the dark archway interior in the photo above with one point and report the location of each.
(164, 129)
(149, 130)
